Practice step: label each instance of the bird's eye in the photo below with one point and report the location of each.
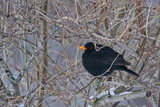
(90, 47)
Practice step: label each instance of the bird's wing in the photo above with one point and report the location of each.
(107, 56)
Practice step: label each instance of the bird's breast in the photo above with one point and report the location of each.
(94, 68)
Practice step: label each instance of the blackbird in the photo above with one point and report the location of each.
(101, 60)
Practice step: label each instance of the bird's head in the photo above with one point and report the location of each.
(89, 47)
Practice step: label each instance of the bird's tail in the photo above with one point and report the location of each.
(129, 71)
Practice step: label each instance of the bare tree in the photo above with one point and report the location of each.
(41, 59)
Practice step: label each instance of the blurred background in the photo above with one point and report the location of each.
(40, 58)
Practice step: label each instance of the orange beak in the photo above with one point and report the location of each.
(82, 47)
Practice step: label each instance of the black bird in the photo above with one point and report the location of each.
(101, 60)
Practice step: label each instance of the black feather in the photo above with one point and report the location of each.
(98, 62)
